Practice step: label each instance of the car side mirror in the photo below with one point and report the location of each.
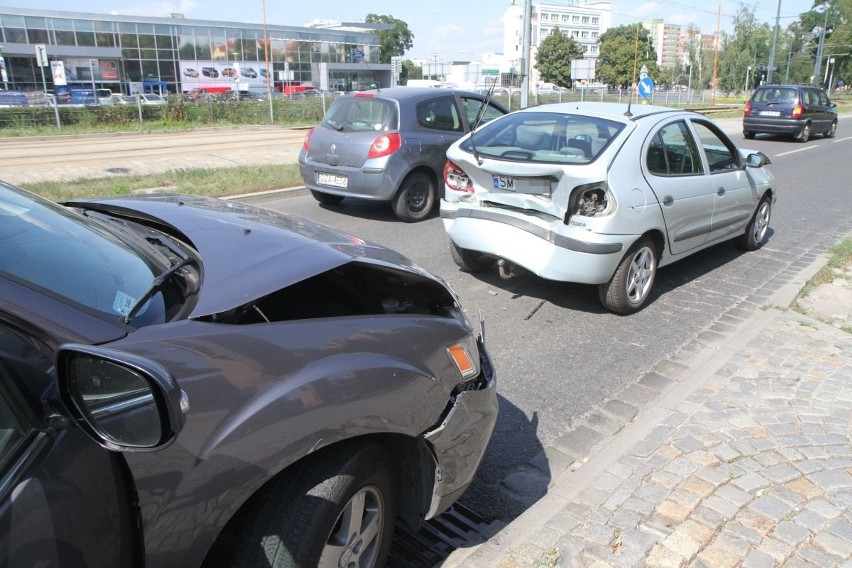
(757, 160)
(123, 402)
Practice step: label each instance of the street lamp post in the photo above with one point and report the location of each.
(818, 63)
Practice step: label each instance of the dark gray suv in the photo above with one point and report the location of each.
(192, 382)
(797, 110)
(389, 145)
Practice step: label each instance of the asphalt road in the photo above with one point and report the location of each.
(558, 354)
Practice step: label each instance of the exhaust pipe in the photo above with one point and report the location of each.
(506, 269)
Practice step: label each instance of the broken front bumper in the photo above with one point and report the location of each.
(460, 440)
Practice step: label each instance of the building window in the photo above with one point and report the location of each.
(585, 19)
(595, 21)
(575, 19)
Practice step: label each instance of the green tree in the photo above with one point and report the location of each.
(836, 16)
(554, 58)
(393, 41)
(623, 52)
(410, 71)
(748, 45)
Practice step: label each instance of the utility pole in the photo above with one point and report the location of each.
(525, 57)
(818, 63)
(774, 40)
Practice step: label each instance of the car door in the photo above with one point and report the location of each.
(735, 196)
(676, 173)
(441, 124)
(64, 501)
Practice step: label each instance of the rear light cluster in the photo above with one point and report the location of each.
(306, 143)
(797, 111)
(747, 109)
(590, 200)
(384, 145)
(455, 178)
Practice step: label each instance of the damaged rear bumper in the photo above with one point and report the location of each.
(460, 440)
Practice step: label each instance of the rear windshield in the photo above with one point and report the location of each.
(357, 114)
(544, 137)
(775, 95)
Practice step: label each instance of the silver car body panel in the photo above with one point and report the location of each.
(529, 229)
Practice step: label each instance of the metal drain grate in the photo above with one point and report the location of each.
(437, 538)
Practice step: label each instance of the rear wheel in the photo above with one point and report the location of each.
(748, 134)
(470, 260)
(326, 198)
(336, 509)
(630, 286)
(757, 227)
(832, 130)
(804, 133)
(415, 199)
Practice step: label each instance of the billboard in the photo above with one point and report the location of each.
(234, 74)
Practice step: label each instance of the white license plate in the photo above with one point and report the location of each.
(770, 113)
(332, 179)
(534, 186)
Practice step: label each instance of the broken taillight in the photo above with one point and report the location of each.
(384, 145)
(455, 178)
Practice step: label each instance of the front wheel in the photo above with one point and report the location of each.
(335, 509)
(470, 260)
(832, 130)
(629, 288)
(415, 199)
(757, 227)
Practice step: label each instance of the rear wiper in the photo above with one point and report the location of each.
(156, 285)
(338, 128)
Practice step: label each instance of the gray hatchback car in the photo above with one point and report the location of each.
(389, 145)
(194, 382)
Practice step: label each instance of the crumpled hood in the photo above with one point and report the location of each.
(247, 252)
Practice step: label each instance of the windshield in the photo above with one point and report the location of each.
(358, 113)
(76, 258)
(548, 137)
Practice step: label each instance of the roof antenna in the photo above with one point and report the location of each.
(629, 114)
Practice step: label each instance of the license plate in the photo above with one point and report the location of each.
(332, 180)
(533, 186)
(503, 182)
(770, 113)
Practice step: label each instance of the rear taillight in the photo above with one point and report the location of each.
(455, 178)
(384, 145)
(747, 109)
(306, 143)
(797, 111)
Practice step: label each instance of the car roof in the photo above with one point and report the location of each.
(614, 111)
(415, 93)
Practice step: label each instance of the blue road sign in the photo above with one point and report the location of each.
(646, 87)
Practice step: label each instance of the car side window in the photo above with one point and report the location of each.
(721, 155)
(823, 99)
(439, 114)
(471, 109)
(673, 152)
(12, 428)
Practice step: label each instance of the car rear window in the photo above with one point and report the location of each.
(776, 95)
(356, 114)
(544, 137)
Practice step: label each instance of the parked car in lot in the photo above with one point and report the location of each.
(151, 99)
(796, 110)
(389, 145)
(601, 193)
(188, 381)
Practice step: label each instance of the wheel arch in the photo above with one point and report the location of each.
(423, 169)
(411, 461)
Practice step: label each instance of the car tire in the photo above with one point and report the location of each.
(832, 130)
(758, 226)
(326, 198)
(415, 199)
(470, 260)
(748, 134)
(804, 133)
(630, 286)
(338, 505)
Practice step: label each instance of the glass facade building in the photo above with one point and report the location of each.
(129, 54)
